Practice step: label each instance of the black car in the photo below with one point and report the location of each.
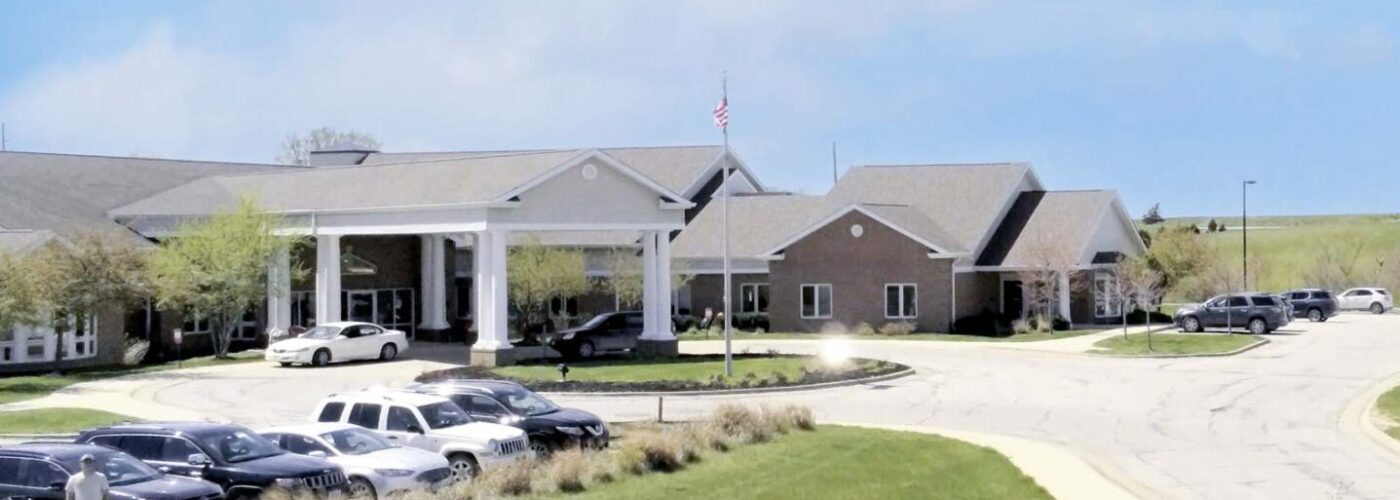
(237, 459)
(1315, 304)
(41, 470)
(614, 331)
(1258, 313)
(548, 426)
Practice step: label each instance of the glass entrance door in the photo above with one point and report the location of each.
(359, 306)
(390, 308)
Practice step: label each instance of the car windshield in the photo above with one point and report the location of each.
(356, 441)
(524, 402)
(120, 468)
(321, 333)
(240, 445)
(597, 320)
(444, 414)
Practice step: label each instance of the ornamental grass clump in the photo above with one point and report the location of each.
(513, 479)
(740, 423)
(660, 451)
(704, 435)
(568, 470)
(799, 417)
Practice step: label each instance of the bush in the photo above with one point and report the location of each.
(897, 328)
(800, 417)
(740, 423)
(568, 469)
(135, 351)
(1136, 317)
(864, 328)
(510, 479)
(704, 435)
(751, 321)
(659, 451)
(984, 323)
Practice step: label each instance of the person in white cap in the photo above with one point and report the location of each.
(87, 484)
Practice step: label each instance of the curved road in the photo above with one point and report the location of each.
(1263, 424)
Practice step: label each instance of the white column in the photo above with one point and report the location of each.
(279, 292)
(664, 326)
(476, 264)
(1064, 296)
(651, 303)
(327, 278)
(433, 282)
(490, 286)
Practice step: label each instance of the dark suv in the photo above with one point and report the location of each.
(614, 331)
(1259, 313)
(1315, 304)
(237, 459)
(41, 470)
(549, 426)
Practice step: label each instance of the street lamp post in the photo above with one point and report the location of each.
(1244, 230)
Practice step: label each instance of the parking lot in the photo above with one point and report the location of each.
(1267, 423)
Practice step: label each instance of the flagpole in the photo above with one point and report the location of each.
(724, 231)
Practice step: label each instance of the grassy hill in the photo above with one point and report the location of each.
(1287, 245)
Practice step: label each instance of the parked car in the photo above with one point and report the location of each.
(240, 461)
(1258, 313)
(1376, 300)
(41, 470)
(1288, 311)
(614, 331)
(427, 422)
(376, 467)
(335, 342)
(1315, 304)
(549, 426)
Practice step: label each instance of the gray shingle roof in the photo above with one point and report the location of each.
(963, 199)
(759, 223)
(1045, 225)
(69, 194)
(674, 167)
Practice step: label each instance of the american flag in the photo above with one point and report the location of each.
(722, 113)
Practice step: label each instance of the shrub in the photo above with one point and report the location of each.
(984, 323)
(864, 328)
(568, 469)
(659, 451)
(775, 421)
(834, 328)
(704, 435)
(1022, 326)
(799, 417)
(135, 351)
(630, 460)
(510, 479)
(1137, 316)
(739, 423)
(897, 328)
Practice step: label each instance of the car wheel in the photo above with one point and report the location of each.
(1191, 324)
(463, 466)
(361, 488)
(540, 448)
(586, 350)
(285, 364)
(322, 357)
(388, 352)
(1377, 308)
(1315, 316)
(1257, 326)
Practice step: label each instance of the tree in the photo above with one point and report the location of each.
(20, 300)
(1335, 265)
(1212, 226)
(1041, 282)
(1141, 286)
(624, 277)
(94, 273)
(1179, 254)
(538, 274)
(1153, 215)
(296, 149)
(216, 268)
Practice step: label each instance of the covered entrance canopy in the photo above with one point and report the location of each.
(482, 199)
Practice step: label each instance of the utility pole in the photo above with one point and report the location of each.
(1244, 231)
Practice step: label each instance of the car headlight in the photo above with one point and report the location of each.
(568, 336)
(288, 482)
(572, 431)
(394, 472)
(493, 447)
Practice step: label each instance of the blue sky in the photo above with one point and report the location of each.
(1172, 102)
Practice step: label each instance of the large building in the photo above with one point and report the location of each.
(416, 241)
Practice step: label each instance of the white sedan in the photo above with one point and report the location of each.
(335, 342)
(376, 467)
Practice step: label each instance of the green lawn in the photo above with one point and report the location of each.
(837, 463)
(651, 370)
(1286, 246)
(56, 420)
(940, 337)
(36, 386)
(1173, 343)
(1389, 407)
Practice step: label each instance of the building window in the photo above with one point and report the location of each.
(563, 307)
(901, 301)
(1107, 300)
(753, 298)
(816, 301)
(195, 326)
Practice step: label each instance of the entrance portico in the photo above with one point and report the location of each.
(590, 192)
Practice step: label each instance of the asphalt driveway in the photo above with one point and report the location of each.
(1263, 424)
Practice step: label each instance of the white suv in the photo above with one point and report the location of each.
(1376, 300)
(430, 423)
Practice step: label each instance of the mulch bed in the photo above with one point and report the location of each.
(859, 368)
